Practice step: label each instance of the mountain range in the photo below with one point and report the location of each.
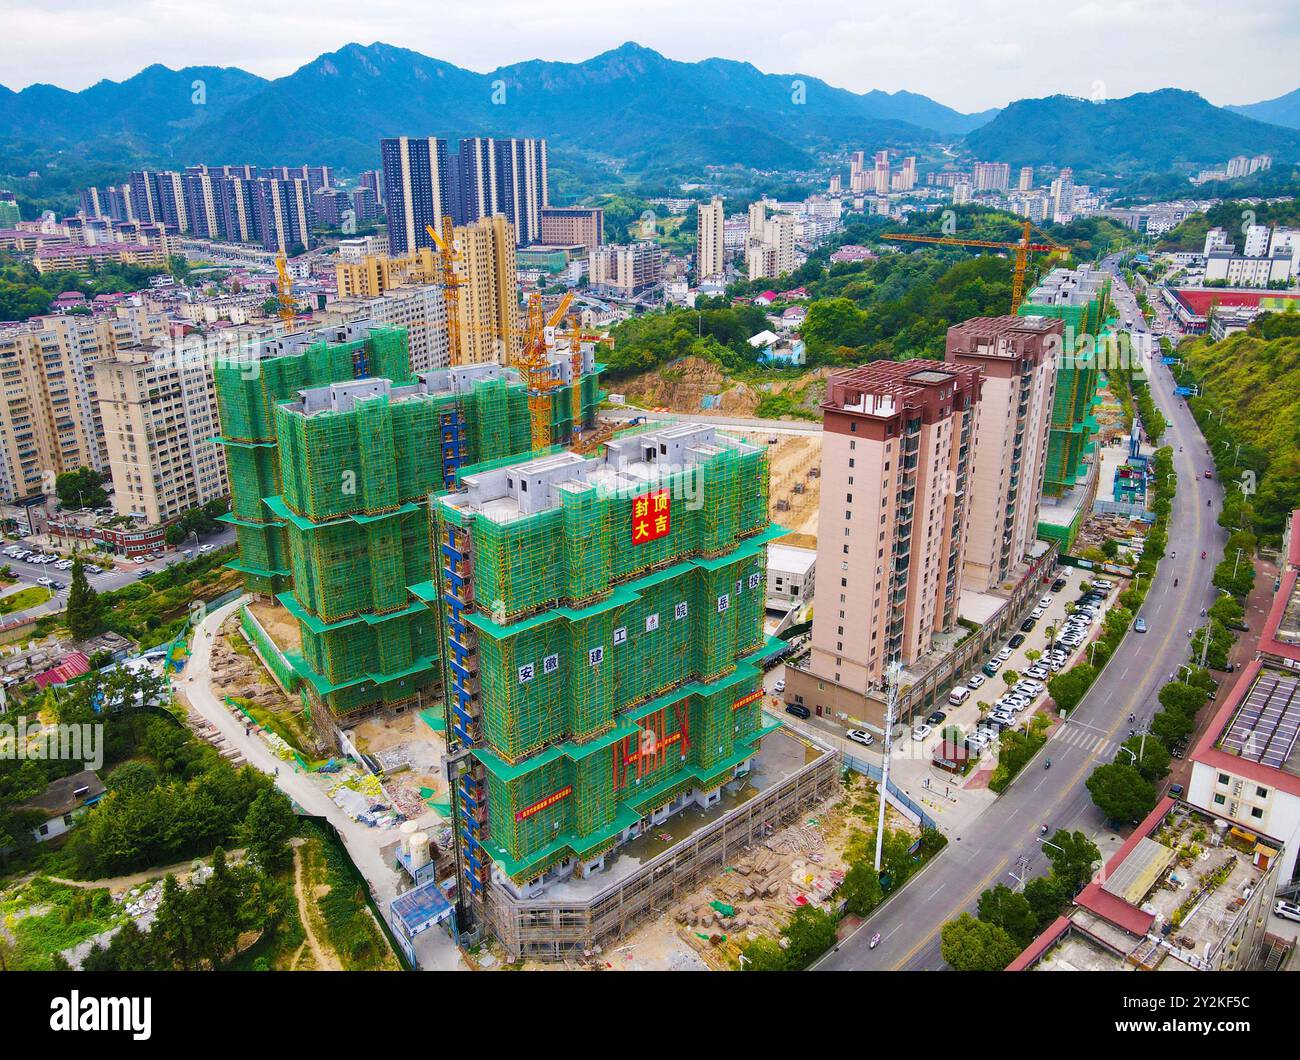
(630, 106)
(1284, 110)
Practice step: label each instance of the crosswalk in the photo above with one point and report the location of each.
(1086, 739)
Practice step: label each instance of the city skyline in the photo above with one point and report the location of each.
(1114, 49)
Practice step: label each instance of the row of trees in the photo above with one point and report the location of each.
(1007, 921)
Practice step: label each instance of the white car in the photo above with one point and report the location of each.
(1005, 654)
(1045, 602)
(1037, 612)
(861, 736)
(921, 732)
(1287, 910)
(47, 582)
(779, 686)
(975, 680)
(206, 548)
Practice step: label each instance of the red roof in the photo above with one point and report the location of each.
(73, 665)
(1268, 641)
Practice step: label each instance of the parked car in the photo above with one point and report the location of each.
(1040, 672)
(992, 667)
(975, 680)
(1037, 612)
(1019, 638)
(936, 717)
(779, 686)
(795, 709)
(1287, 910)
(1026, 625)
(1058, 585)
(1004, 654)
(861, 736)
(1045, 602)
(921, 732)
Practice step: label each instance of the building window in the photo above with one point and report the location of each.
(1220, 799)
(1262, 793)
(1256, 812)
(1224, 778)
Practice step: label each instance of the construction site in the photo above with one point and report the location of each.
(604, 632)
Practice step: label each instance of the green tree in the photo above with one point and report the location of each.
(971, 945)
(85, 615)
(1069, 687)
(82, 488)
(1171, 727)
(1046, 897)
(1074, 858)
(861, 889)
(764, 955)
(810, 933)
(1150, 757)
(1121, 792)
(268, 828)
(1011, 912)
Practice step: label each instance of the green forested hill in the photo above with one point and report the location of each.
(1254, 378)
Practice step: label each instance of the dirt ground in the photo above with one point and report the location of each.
(411, 753)
(794, 488)
(278, 623)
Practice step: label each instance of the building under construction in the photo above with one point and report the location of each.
(338, 449)
(603, 641)
(1078, 297)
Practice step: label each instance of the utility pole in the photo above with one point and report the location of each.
(891, 703)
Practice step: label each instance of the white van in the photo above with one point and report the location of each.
(958, 696)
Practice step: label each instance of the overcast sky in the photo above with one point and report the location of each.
(969, 54)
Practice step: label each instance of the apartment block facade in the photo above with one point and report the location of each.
(710, 246)
(50, 421)
(1017, 357)
(416, 189)
(899, 442)
(626, 270)
(487, 302)
(159, 413)
(567, 226)
(503, 176)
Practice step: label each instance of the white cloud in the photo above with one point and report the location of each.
(970, 54)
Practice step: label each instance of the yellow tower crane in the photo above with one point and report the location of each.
(1023, 248)
(451, 285)
(284, 293)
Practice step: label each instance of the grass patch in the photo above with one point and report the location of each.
(45, 918)
(287, 725)
(23, 599)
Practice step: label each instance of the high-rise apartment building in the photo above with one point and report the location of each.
(710, 245)
(1017, 357)
(487, 301)
(505, 176)
(880, 183)
(159, 413)
(898, 447)
(568, 226)
(416, 189)
(991, 176)
(285, 213)
(1062, 196)
(1026, 182)
(769, 250)
(625, 270)
(51, 422)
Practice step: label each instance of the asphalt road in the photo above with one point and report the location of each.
(987, 853)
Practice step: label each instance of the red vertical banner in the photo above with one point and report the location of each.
(651, 516)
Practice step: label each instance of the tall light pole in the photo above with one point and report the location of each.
(891, 703)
